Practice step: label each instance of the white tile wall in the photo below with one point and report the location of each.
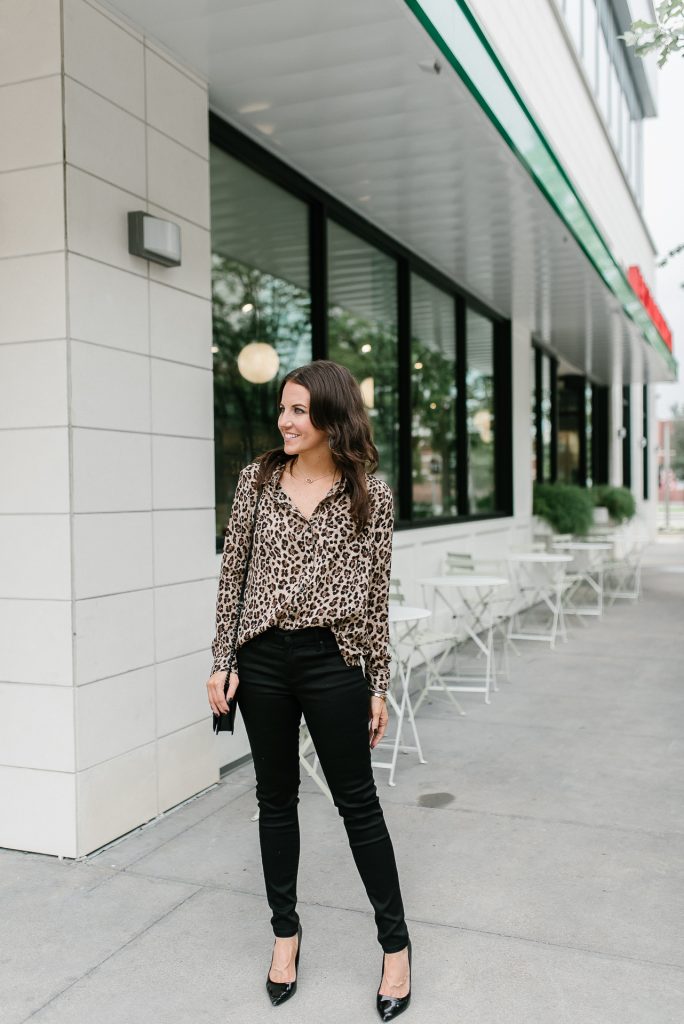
(35, 557)
(46, 714)
(108, 306)
(187, 763)
(176, 104)
(115, 797)
(32, 202)
(112, 553)
(184, 618)
(182, 692)
(194, 274)
(103, 139)
(184, 545)
(185, 190)
(182, 400)
(23, 278)
(180, 326)
(103, 56)
(31, 123)
(34, 470)
(33, 384)
(111, 471)
(35, 642)
(24, 52)
(51, 829)
(97, 224)
(182, 472)
(114, 715)
(109, 388)
(113, 634)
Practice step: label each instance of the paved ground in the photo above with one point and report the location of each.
(547, 889)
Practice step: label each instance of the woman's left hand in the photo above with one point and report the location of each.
(379, 717)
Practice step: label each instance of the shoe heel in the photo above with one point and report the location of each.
(278, 991)
(388, 1007)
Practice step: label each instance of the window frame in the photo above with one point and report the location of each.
(323, 208)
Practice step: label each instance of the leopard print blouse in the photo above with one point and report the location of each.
(313, 572)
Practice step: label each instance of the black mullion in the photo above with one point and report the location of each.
(582, 428)
(503, 419)
(554, 421)
(318, 280)
(404, 383)
(461, 411)
(627, 438)
(644, 436)
(538, 428)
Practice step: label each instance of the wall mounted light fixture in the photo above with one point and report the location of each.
(154, 239)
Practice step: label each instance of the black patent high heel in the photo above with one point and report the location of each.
(388, 1006)
(280, 991)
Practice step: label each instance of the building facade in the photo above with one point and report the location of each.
(444, 196)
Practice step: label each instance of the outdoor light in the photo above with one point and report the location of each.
(622, 433)
(365, 348)
(154, 239)
(247, 308)
(258, 362)
(368, 392)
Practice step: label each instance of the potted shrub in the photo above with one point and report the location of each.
(619, 501)
(566, 507)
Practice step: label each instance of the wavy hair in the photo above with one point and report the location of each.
(336, 406)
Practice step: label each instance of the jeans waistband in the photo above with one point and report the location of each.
(294, 635)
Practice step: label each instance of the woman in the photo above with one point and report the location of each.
(315, 603)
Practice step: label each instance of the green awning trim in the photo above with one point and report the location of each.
(471, 56)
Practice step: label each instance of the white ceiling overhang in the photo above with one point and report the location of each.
(452, 165)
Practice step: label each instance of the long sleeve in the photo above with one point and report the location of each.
(377, 657)
(235, 547)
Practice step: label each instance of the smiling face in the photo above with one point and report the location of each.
(298, 432)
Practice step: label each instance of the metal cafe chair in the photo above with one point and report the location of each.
(622, 577)
(500, 605)
(425, 639)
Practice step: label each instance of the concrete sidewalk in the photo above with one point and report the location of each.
(545, 888)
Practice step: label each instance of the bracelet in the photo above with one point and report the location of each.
(379, 693)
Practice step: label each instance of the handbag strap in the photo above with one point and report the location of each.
(241, 599)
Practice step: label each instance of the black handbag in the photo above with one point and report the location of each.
(226, 722)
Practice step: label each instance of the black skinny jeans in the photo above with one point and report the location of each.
(282, 674)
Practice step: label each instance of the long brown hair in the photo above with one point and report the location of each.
(336, 406)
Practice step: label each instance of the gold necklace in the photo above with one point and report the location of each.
(312, 480)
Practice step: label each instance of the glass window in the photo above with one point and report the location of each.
(602, 73)
(362, 335)
(573, 17)
(589, 431)
(546, 415)
(261, 313)
(590, 41)
(433, 400)
(534, 398)
(480, 412)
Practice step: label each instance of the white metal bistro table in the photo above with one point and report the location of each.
(539, 577)
(403, 622)
(588, 573)
(466, 597)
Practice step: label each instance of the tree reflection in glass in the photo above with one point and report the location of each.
(480, 412)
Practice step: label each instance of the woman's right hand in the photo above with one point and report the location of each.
(217, 701)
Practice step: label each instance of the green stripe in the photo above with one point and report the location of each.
(478, 66)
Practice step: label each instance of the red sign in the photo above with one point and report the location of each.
(650, 305)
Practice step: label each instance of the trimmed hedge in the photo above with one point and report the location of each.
(618, 500)
(566, 507)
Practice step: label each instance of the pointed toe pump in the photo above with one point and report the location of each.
(280, 992)
(388, 1006)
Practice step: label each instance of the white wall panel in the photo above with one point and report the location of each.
(109, 388)
(180, 326)
(35, 642)
(182, 692)
(35, 552)
(32, 204)
(22, 281)
(97, 223)
(104, 56)
(178, 179)
(31, 123)
(46, 715)
(115, 797)
(112, 553)
(34, 470)
(182, 472)
(184, 618)
(114, 715)
(33, 384)
(176, 104)
(187, 763)
(182, 400)
(194, 274)
(51, 829)
(113, 635)
(111, 471)
(108, 306)
(184, 545)
(30, 44)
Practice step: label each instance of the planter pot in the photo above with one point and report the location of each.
(601, 516)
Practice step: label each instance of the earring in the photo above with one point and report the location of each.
(330, 442)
